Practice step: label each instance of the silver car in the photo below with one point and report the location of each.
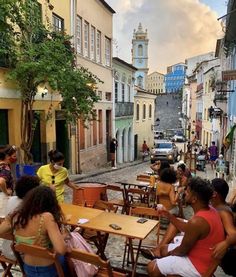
(164, 150)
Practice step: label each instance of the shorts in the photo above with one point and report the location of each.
(213, 158)
(176, 265)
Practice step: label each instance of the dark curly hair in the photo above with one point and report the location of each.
(25, 184)
(182, 166)
(37, 201)
(202, 188)
(6, 150)
(168, 175)
(221, 187)
(55, 156)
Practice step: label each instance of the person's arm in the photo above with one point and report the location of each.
(172, 195)
(179, 223)
(3, 187)
(220, 248)
(196, 229)
(5, 226)
(70, 184)
(54, 234)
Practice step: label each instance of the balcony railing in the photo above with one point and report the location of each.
(220, 97)
(124, 109)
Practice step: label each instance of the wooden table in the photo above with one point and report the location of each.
(133, 182)
(129, 229)
(73, 213)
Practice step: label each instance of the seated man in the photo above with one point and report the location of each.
(221, 190)
(193, 255)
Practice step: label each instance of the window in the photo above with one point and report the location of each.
(92, 44)
(140, 50)
(95, 124)
(79, 34)
(100, 132)
(86, 39)
(57, 22)
(144, 111)
(81, 134)
(150, 111)
(98, 47)
(107, 52)
(129, 95)
(123, 92)
(140, 81)
(137, 112)
(116, 91)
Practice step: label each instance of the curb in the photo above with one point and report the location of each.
(93, 174)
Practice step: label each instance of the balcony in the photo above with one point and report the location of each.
(124, 109)
(220, 96)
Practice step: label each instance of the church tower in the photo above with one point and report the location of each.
(140, 56)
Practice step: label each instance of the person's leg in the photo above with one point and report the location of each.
(153, 270)
(170, 233)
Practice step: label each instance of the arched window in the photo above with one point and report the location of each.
(140, 81)
(137, 112)
(144, 111)
(140, 50)
(150, 111)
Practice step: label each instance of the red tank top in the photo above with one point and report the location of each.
(200, 254)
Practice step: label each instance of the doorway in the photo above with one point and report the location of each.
(135, 147)
(4, 137)
(62, 140)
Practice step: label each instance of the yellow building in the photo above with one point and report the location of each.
(144, 108)
(58, 13)
(155, 82)
(93, 41)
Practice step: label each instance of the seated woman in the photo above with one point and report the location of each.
(165, 189)
(37, 222)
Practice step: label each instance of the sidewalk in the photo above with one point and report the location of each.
(78, 177)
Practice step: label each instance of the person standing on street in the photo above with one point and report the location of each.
(113, 147)
(145, 150)
(213, 150)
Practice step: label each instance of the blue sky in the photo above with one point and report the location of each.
(218, 5)
(177, 29)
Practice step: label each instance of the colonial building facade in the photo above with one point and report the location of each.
(123, 78)
(155, 83)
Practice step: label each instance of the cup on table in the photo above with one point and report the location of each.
(160, 207)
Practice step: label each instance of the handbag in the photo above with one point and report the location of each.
(82, 269)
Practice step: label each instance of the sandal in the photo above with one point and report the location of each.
(148, 254)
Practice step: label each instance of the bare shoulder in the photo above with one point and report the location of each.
(48, 217)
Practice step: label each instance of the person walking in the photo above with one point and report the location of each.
(113, 147)
(54, 175)
(213, 150)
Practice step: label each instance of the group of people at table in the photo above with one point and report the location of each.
(33, 214)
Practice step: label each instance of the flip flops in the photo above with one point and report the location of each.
(148, 254)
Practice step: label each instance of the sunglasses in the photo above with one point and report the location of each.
(53, 179)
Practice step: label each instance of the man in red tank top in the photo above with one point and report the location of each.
(194, 255)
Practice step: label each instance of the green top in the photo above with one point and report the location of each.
(43, 240)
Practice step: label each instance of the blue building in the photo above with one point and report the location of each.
(174, 79)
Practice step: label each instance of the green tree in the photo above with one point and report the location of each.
(37, 55)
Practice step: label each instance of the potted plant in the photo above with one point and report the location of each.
(38, 56)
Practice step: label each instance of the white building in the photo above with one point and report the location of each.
(155, 83)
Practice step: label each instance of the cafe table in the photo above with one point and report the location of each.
(133, 182)
(130, 229)
(74, 212)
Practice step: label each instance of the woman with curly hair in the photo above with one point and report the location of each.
(165, 189)
(38, 222)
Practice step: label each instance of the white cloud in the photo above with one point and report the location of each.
(177, 29)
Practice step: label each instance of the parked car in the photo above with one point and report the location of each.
(178, 138)
(164, 150)
(158, 135)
